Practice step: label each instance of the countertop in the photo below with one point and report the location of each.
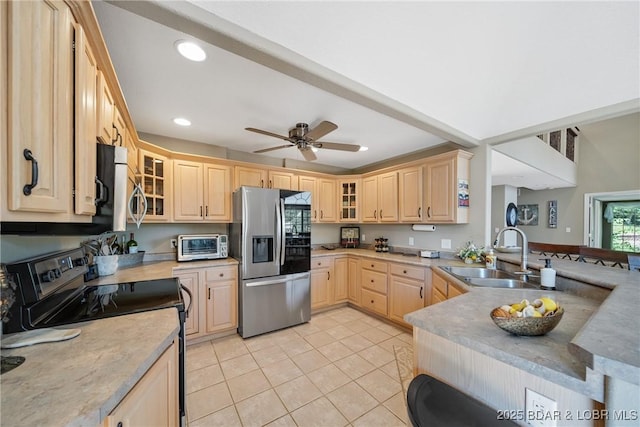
(160, 269)
(80, 381)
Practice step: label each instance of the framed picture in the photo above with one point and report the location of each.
(528, 215)
(553, 213)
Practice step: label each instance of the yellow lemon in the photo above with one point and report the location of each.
(549, 304)
(517, 306)
(537, 314)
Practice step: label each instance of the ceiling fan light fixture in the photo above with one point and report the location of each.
(191, 51)
(363, 148)
(181, 121)
(314, 149)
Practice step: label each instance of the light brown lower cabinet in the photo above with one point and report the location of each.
(213, 306)
(354, 281)
(407, 290)
(341, 279)
(153, 401)
(373, 295)
(322, 272)
(442, 289)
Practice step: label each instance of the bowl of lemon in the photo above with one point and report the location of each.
(528, 318)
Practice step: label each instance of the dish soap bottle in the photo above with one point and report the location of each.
(490, 260)
(547, 276)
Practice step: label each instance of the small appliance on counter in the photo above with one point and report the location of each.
(349, 237)
(202, 246)
(427, 253)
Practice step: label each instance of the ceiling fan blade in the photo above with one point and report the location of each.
(264, 132)
(264, 150)
(321, 130)
(308, 154)
(336, 146)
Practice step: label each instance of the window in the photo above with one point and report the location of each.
(612, 220)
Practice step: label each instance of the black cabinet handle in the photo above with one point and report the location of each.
(328, 275)
(119, 423)
(429, 212)
(200, 210)
(209, 296)
(374, 214)
(206, 211)
(262, 183)
(420, 212)
(421, 292)
(26, 190)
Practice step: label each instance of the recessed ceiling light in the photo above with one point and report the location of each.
(190, 50)
(181, 121)
(363, 148)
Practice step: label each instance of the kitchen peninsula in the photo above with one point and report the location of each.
(591, 358)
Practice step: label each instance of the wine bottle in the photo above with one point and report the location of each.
(132, 245)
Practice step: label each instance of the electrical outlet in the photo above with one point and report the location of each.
(364, 238)
(173, 243)
(411, 241)
(445, 243)
(540, 410)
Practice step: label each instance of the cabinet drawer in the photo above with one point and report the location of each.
(374, 281)
(375, 265)
(322, 262)
(374, 302)
(439, 283)
(408, 271)
(220, 273)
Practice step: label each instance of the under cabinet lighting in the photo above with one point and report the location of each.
(181, 121)
(190, 50)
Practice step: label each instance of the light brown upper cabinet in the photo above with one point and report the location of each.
(86, 72)
(446, 192)
(106, 110)
(410, 189)
(201, 191)
(156, 184)
(380, 198)
(349, 200)
(38, 165)
(249, 176)
(282, 180)
(310, 184)
(327, 210)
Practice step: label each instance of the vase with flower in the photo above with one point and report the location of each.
(470, 253)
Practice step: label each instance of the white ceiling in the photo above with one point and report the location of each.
(397, 77)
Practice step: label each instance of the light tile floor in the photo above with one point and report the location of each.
(337, 370)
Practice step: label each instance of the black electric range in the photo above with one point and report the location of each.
(51, 291)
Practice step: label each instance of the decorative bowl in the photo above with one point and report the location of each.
(528, 326)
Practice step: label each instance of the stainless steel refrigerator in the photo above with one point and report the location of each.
(271, 238)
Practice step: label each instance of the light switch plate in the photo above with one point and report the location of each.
(445, 243)
(411, 241)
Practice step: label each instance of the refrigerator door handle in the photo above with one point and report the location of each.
(282, 232)
(279, 242)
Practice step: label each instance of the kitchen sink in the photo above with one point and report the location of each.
(483, 273)
(500, 283)
(488, 278)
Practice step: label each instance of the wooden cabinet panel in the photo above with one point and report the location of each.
(188, 191)
(221, 298)
(406, 295)
(354, 281)
(324, 262)
(217, 193)
(380, 266)
(106, 107)
(327, 200)
(282, 180)
(156, 180)
(39, 108)
(374, 280)
(322, 282)
(341, 286)
(453, 292)
(437, 296)
(439, 283)
(154, 399)
(408, 271)
(370, 199)
(191, 281)
(349, 200)
(388, 197)
(410, 194)
(86, 72)
(374, 301)
(252, 177)
(444, 203)
(309, 183)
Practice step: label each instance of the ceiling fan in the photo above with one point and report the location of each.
(307, 140)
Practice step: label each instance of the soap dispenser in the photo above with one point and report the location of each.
(547, 275)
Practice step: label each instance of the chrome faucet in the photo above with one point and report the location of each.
(524, 249)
